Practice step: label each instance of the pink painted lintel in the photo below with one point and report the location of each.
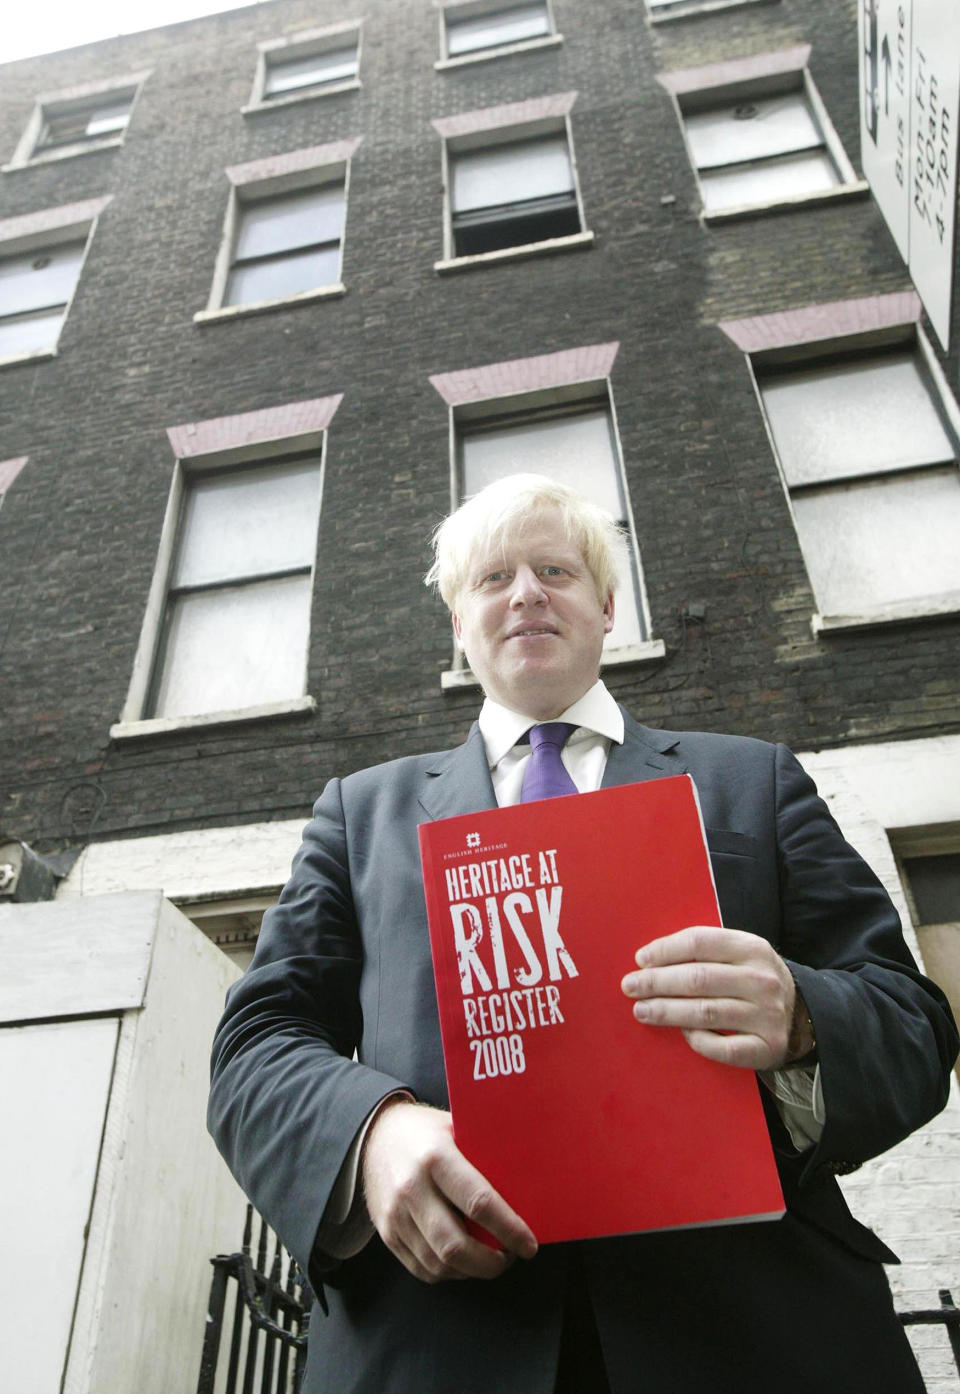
(305, 36)
(270, 424)
(93, 89)
(513, 114)
(296, 161)
(590, 363)
(835, 319)
(9, 469)
(50, 219)
(785, 60)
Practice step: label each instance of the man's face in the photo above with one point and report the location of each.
(530, 622)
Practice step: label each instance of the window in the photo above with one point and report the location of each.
(574, 444)
(283, 233)
(35, 290)
(85, 121)
(77, 120)
(512, 194)
(472, 29)
(758, 133)
(237, 620)
(307, 65)
(40, 259)
(286, 244)
(510, 181)
(759, 150)
(227, 626)
(552, 414)
(869, 458)
(315, 70)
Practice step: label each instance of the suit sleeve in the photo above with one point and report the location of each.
(287, 1098)
(885, 1037)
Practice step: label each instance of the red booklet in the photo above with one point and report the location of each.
(586, 1121)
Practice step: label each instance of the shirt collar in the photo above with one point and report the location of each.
(595, 711)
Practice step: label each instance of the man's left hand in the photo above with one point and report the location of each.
(729, 992)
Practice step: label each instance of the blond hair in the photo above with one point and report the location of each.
(493, 518)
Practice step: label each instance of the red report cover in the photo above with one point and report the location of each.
(586, 1121)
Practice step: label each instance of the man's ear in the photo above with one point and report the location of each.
(608, 613)
(455, 619)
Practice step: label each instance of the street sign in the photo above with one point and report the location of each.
(909, 112)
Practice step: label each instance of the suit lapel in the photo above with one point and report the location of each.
(644, 754)
(458, 781)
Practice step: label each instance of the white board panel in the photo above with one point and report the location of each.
(76, 957)
(54, 1088)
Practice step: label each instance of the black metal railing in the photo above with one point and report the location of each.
(946, 1315)
(263, 1348)
(265, 1351)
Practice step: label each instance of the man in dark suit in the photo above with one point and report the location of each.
(353, 1160)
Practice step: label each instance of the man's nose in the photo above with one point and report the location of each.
(526, 589)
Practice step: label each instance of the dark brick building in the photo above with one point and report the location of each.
(370, 252)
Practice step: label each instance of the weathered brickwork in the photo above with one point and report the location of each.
(80, 528)
(726, 583)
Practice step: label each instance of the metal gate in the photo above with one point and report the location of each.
(260, 1346)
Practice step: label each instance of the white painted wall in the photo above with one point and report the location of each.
(206, 862)
(911, 1195)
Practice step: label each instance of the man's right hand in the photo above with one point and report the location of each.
(420, 1188)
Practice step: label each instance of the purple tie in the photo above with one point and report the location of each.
(546, 776)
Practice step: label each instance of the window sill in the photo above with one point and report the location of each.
(295, 98)
(647, 652)
(694, 8)
(528, 249)
(34, 356)
(464, 60)
(858, 189)
(264, 307)
(905, 612)
(164, 725)
(66, 152)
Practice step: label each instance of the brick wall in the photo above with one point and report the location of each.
(79, 531)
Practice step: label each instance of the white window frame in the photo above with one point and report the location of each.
(593, 394)
(36, 232)
(88, 94)
(469, 8)
(306, 44)
(907, 336)
(269, 179)
(508, 134)
(263, 446)
(768, 74)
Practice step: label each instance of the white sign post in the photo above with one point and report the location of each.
(909, 112)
